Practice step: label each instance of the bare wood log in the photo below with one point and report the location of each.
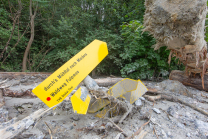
(129, 108)
(192, 81)
(4, 81)
(138, 131)
(105, 82)
(16, 128)
(2, 101)
(4, 75)
(90, 83)
(142, 134)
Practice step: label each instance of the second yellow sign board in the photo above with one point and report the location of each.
(80, 101)
(130, 89)
(59, 85)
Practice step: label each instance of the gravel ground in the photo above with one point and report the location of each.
(169, 120)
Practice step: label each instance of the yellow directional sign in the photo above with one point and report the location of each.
(59, 85)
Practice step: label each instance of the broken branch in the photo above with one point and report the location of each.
(117, 127)
(176, 99)
(138, 131)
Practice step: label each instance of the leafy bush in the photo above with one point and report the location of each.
(72, 34)
(112, 63)
(140, 60)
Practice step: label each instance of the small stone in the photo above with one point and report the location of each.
(180, 125)
(71, 127)
(188, 134)
(75, 118)
(121, 136)
(142, 98)
(171, 111)
(164, 102)
(10, 129)
(33, 77)
(188, 114)
(151, 126)
(156, 110)
(40, 137)
(164, 134)
(92, 117)
(19, 126)
(138, 102)
(202, 126)
(169, 133)
(109, 125)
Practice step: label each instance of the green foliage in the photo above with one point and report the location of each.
(66, 38)
(14, 58)
(5, 28)
(63, 28)
(140, 60)
(111, 64)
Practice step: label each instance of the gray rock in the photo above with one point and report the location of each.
(171, 111)
(180, 125)
(188, 115)
(75, 118)
(138, 102)
(188, 134)
(169, 134)
(142, 98)
(109, 125)
(156, 110)
(151, 126)
(164, 134)
(202, 126)
(10, 128)
(92, 118)
(3, 115)
(175, 87)
(121, 136)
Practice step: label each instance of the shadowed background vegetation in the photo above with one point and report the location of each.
(63, 27)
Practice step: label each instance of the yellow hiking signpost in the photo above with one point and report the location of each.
(59, 85)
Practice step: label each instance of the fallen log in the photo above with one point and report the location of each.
(5, 75)
(13, 129)
(105, 82)
(18, 127)
(193, 80)
(2, 100)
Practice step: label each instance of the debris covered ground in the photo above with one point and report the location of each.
(151, 117)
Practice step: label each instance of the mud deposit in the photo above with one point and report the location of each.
(166, 119)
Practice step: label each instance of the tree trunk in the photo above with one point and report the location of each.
(14, 18)
(193, 80)
(32, 24)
